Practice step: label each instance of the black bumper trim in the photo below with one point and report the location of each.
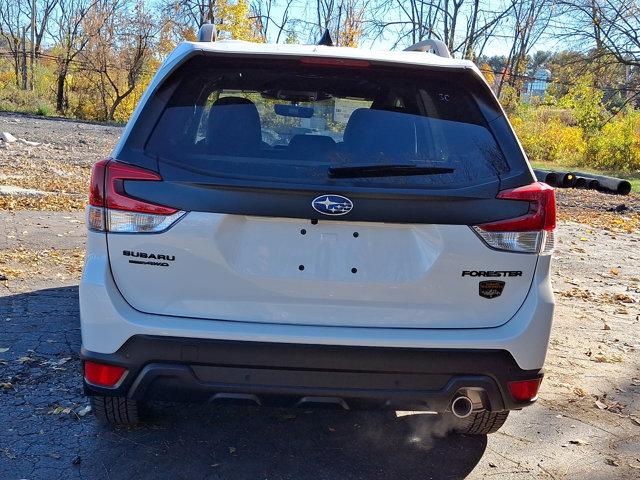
(187, 369)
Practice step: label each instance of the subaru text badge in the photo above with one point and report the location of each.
(332, 204)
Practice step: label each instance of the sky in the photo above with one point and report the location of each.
(496, 46)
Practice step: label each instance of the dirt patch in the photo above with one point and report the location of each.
(616, 213)
(59, 166)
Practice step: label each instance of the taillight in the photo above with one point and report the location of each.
(529, 233)
(525, 390)
(111, 209)
(102, 374)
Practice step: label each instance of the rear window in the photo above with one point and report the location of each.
(282, 121)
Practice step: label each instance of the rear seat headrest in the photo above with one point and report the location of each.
(380, 132)
(234, 127)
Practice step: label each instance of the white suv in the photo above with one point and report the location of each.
(317, 225)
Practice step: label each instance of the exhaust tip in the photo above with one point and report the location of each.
(462, 407)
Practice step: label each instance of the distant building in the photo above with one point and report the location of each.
(536, 86)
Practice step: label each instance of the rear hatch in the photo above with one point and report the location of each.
(313, 193)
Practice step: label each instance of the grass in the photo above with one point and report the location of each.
(633, 177)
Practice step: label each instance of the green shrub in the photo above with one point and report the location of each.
(547, 136)
(576, 132)
(617, 145)
(585, 102)
(44, 110)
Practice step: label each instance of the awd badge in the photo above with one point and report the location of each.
(490, 288)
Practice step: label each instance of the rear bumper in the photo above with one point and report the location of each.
(187, 369)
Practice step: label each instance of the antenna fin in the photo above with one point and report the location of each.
(326, 39)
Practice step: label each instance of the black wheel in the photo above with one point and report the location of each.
(481, 423)
(116, 410)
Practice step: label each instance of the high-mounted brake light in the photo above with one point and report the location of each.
(334, 62)
(529, 233)
(112, 209)
(102, 374)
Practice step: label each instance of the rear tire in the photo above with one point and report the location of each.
(116, 410)
(481, 423)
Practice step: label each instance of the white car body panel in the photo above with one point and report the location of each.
(246, 269)
(108, 321)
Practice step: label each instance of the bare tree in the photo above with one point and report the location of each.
(68, 30)
(611, 27)
(44, 11)
(344, 19)
(264, 12)
(530, 19)
(191, 13)
(464, 25)
(122, 43)
(14, 21)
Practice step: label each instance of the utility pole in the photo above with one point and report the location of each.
(33, 42)
(25, 80)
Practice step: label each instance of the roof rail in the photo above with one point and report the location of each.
(431, 45)
(207, 33)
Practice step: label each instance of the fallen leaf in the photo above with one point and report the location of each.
(606, 327)
(601, 405)
(615, 407)
(614, 271)
(623, 297)
(578, 442)
(601, 358)
(58, 410)
(581, 392)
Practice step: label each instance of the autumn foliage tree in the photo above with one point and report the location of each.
(119, 56)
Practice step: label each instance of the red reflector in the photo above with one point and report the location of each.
(334, 62)
(116, 197)
(103, 375)
(542, 210)
(526, 390)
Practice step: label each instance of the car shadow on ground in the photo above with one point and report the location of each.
(194, 441)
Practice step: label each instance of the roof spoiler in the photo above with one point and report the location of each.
(430, 45)
(207, 33)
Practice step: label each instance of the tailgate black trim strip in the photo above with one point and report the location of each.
(367, 206)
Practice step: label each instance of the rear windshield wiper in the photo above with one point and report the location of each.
(399, 170)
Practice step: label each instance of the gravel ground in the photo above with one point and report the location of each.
(585, 425)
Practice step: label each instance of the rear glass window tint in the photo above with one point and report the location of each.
(285, 122)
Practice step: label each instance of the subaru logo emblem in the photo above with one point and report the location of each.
(332, 204)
